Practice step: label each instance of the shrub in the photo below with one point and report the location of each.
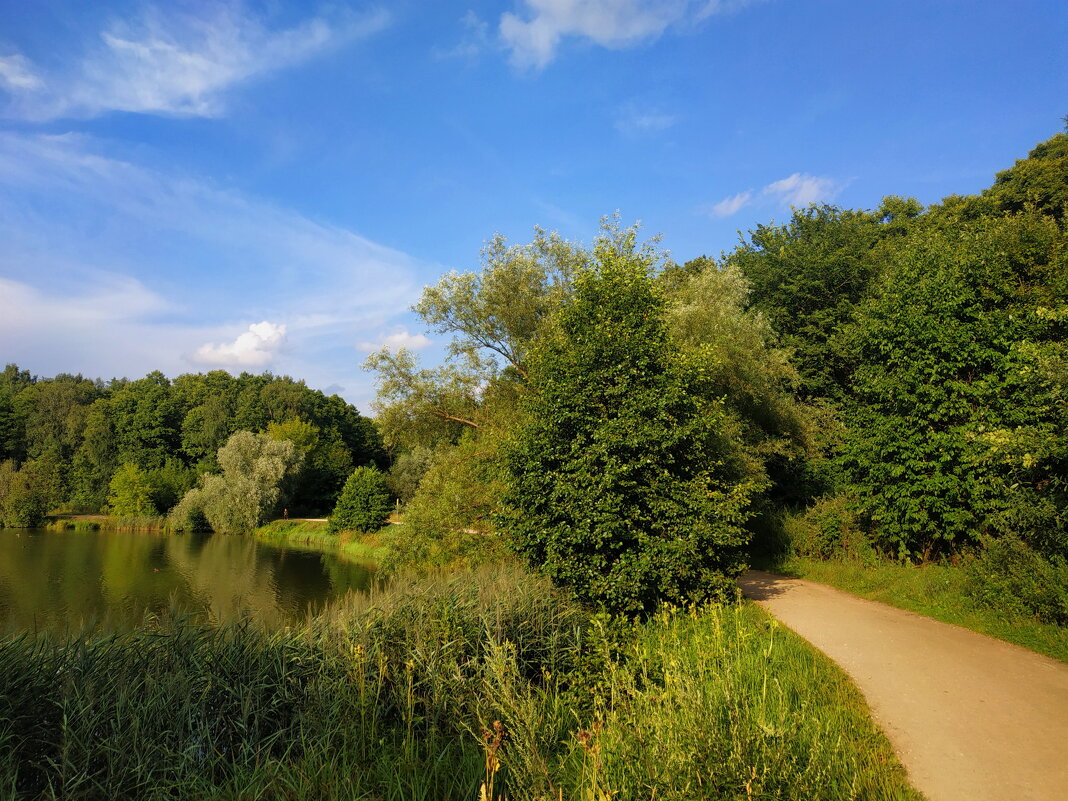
(827, 529)
(1009, 575)
(364, 503)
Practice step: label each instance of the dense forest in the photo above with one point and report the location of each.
(70, 443)
(890, 381)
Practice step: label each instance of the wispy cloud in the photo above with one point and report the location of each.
(170, 63)
(17, 75)
(801, 189)
(729, 205)
(399, 338)
(634, 120)
(798, 189)
(71, 215)
(534, 37)
(475, 40)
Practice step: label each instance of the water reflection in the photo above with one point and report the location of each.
(63, 581)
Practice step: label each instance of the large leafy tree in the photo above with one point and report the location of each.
(625, 484)
(957, 419)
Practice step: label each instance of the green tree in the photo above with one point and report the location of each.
(957, 418)
(26, 493)
(130, 492)
(254, 466)
(625, 481)
(364, 503)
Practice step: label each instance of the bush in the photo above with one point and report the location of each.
(364, 503)
(1009, 575)
(829, 528)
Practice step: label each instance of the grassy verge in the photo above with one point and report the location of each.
(314, 535)
(143, 523)
(480, 683)
(937, 591)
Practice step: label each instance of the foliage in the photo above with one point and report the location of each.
(364, 503)
(253, 469)
(625, 485)
(27, 492)
(828, 529)
(449, 519)
(808, 275)
(1039, 181)
(948, 389)
(1008, 576)
(407, 471)
(709, 320)
(130, 492)
(173, 430)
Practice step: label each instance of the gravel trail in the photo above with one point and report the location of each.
(971, 718)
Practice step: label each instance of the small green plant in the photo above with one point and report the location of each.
(364, 503)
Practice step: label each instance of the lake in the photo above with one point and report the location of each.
(62, 581)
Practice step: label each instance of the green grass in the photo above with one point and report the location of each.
(441, 687)
(938, 591)
(141, 523)
(314, 535)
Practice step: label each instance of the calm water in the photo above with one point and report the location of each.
(64, 580)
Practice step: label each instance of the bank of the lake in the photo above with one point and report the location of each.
(315, 535)
(465, 684)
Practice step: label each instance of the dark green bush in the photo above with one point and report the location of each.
(1009, 575)
(827, 529)
(364, 503)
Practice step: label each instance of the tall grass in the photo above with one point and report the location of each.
(451, 686)
(315, 535)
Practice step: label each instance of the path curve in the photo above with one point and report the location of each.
(971, 718)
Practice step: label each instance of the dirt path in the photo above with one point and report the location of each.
(972, 718)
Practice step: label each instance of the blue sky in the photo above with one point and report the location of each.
(191, 185)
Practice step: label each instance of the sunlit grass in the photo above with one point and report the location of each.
(314, 534)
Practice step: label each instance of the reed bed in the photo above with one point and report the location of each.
(474, 684)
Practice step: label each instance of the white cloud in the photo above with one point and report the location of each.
(256, 347)
(729, 205)
(476, 38)
(91, 245)
(610, 23)
(636, 122)
(801, 189)
(176, 64)
(17, 75)
(400, 338)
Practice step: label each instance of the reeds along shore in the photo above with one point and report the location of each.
(477, 683)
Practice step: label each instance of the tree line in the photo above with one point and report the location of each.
(891, 380)
(82, 445)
